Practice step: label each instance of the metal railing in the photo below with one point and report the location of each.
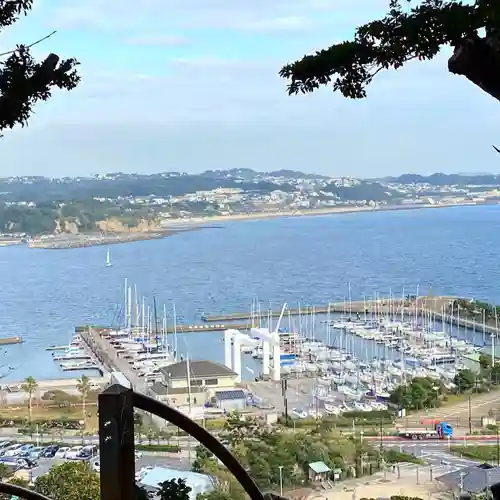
(18, 491)
(116, 442)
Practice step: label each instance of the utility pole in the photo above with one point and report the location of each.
(284, 388)
(470, 417)
(498, 449)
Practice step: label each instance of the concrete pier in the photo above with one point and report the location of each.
(406, 308)
(106, 354)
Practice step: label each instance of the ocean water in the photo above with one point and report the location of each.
(311, 260)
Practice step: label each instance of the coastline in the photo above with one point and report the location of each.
(316, 212)
(176, 226)
(90, 240)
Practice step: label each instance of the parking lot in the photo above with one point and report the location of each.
(31, 461)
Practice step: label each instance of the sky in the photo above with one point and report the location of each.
(192, 85)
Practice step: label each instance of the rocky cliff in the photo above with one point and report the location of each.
(111, 225)
(114, 225)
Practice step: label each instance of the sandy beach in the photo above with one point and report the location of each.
(170, 227)
(305, 213)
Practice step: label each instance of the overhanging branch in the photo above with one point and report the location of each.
(478, 59)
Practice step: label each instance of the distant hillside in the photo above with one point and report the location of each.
(41, 189)
(373, 191)
(440, 179)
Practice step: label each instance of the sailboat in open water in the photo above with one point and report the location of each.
(108, 259)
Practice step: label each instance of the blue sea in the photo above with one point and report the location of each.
(44, 294)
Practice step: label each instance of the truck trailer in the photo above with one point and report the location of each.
(441, 430)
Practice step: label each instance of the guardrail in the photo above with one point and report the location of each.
(116, 441)
(18, 491)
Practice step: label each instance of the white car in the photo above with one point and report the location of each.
(13, 450)
(96, 466)
(72, 453)
(61, 452)
(299, 413)
(137, 454)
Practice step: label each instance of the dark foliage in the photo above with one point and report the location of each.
(42, 189)
(402, 35)
(23, 80)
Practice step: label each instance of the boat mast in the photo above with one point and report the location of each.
(129, 308)
(175, 331)
(156, 320)
(125, 306)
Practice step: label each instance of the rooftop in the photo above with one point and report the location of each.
(162, 390)
(230, 395)
(319, 467)
(197, 370)
(475, 478)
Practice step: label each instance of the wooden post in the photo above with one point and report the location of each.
(116, 441)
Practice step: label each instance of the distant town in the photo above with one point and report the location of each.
(38, 208)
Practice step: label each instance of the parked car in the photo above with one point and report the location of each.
(72, 453)
(49, 451)
(21, 463)
(33, 453)
(13, 450)
(96, 466)
(299, 413)
(89, 451)
(25, 449)
(138, 454)
(61, 452)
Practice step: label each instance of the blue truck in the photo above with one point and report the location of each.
(441, 430)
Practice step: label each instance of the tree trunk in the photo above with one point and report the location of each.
(30, 408)
(84, 408)
(478, 59)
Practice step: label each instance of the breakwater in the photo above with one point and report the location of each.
(88, 240)
(437, 307)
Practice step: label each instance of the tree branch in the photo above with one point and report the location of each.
(23, 80)
(30, 45)
(388, 43)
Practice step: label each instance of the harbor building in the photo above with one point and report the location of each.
(198, 380)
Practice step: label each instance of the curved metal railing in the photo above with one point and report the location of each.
(116, 438)
(19, 491)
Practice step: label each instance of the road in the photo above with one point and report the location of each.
(481, 404)
(436, 455)
(180, 463)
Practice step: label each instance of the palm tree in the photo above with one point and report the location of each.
(83, 387)
(4, 471)
(29, 386)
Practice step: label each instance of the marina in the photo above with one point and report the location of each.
(349, 359)
(75, 357)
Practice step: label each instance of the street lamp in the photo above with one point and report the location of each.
(462, 474)
(280, 467)
(498, 449)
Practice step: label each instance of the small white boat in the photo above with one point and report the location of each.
(108, 259)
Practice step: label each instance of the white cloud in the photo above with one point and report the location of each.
(116, 14)
(221, 104)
